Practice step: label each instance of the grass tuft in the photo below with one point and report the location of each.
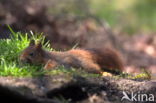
(10, 52)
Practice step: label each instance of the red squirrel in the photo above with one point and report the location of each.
(92, 60)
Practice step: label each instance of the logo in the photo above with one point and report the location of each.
(137, 97)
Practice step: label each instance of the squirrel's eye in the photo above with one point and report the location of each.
(31, 54)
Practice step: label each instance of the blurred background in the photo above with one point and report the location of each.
(127, 25)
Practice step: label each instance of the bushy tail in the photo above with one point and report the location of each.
(109, 58)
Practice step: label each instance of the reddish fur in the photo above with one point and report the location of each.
(92, 60)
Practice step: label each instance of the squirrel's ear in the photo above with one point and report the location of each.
(39, 45)
(32, 43)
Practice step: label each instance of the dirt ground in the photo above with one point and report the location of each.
(76, 89)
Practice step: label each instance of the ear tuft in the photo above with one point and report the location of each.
(39, 45)
(32, 43)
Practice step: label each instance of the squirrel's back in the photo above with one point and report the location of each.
(106, 58)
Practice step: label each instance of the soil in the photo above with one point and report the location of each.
(77, 89)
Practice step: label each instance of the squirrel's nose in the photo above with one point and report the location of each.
(23, 60)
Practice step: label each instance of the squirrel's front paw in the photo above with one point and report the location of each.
(50, 65)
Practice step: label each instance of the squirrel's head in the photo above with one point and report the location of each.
(32, 54)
